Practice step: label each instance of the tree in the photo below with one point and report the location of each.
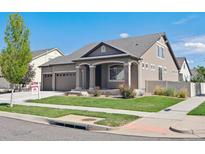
(29, 75)
(200, 74)
(15, 58)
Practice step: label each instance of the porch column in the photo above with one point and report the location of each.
(92, 77)
(127, 71)
(78, 87)
(139, 69)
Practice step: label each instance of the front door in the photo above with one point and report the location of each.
(98, 76)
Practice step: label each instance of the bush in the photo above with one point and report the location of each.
(127, 92)
(96, 92)
(170, 92)
(159, 91)
(183, 93)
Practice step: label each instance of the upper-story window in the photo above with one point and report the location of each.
(160, 52)
(143, 65)
(103, 49)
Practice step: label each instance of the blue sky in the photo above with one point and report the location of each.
(70, 31)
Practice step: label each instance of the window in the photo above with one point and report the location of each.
(147, 66)
(160, 52)
(184, 66)
(160, 73)
(165, 69)
(116, 73)
(152, 67)
(103, 49)
(142, 65)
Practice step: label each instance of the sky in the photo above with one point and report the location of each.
(70, 31)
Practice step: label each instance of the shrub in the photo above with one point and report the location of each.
(170, 92)
(159, 91)
(96, 92)
(183, 93)
(127, 92)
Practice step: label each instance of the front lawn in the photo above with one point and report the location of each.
(200, 110)
(146, 104)
(113, 120)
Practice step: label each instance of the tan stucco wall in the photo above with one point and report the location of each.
(41, 60)
(150, 57)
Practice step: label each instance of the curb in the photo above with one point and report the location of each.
(52, 121)
(183, 131)
(79, 125)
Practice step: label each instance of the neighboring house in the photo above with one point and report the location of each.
(184, 70)
(108, 64)
(39, 57)
(42, 56)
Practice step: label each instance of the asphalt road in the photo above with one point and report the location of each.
(17, 130)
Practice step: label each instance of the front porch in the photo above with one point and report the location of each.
(107, 75)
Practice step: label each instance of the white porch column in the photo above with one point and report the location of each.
(78, 87)
(92, 77)
(127, 71)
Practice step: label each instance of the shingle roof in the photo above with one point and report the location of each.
(134, 46)
(37, 53)
(180, 61)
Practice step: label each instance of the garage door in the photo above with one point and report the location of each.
(47, 82)
(65, 81)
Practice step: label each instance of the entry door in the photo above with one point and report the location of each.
(98, 76)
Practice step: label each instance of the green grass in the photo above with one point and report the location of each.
(113, 120)
(200, 110)
(146, 104)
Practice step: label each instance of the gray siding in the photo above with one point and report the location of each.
(108, 51)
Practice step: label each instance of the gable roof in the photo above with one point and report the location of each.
(181, 60)
(38, 53)
(133, 46)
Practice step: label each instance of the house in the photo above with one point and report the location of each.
(108, 64)
(39, 57)
(184, 70)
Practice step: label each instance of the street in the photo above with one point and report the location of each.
(17, 130)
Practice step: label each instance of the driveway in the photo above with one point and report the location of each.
(20, 97)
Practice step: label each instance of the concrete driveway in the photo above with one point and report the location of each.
(20, 97)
